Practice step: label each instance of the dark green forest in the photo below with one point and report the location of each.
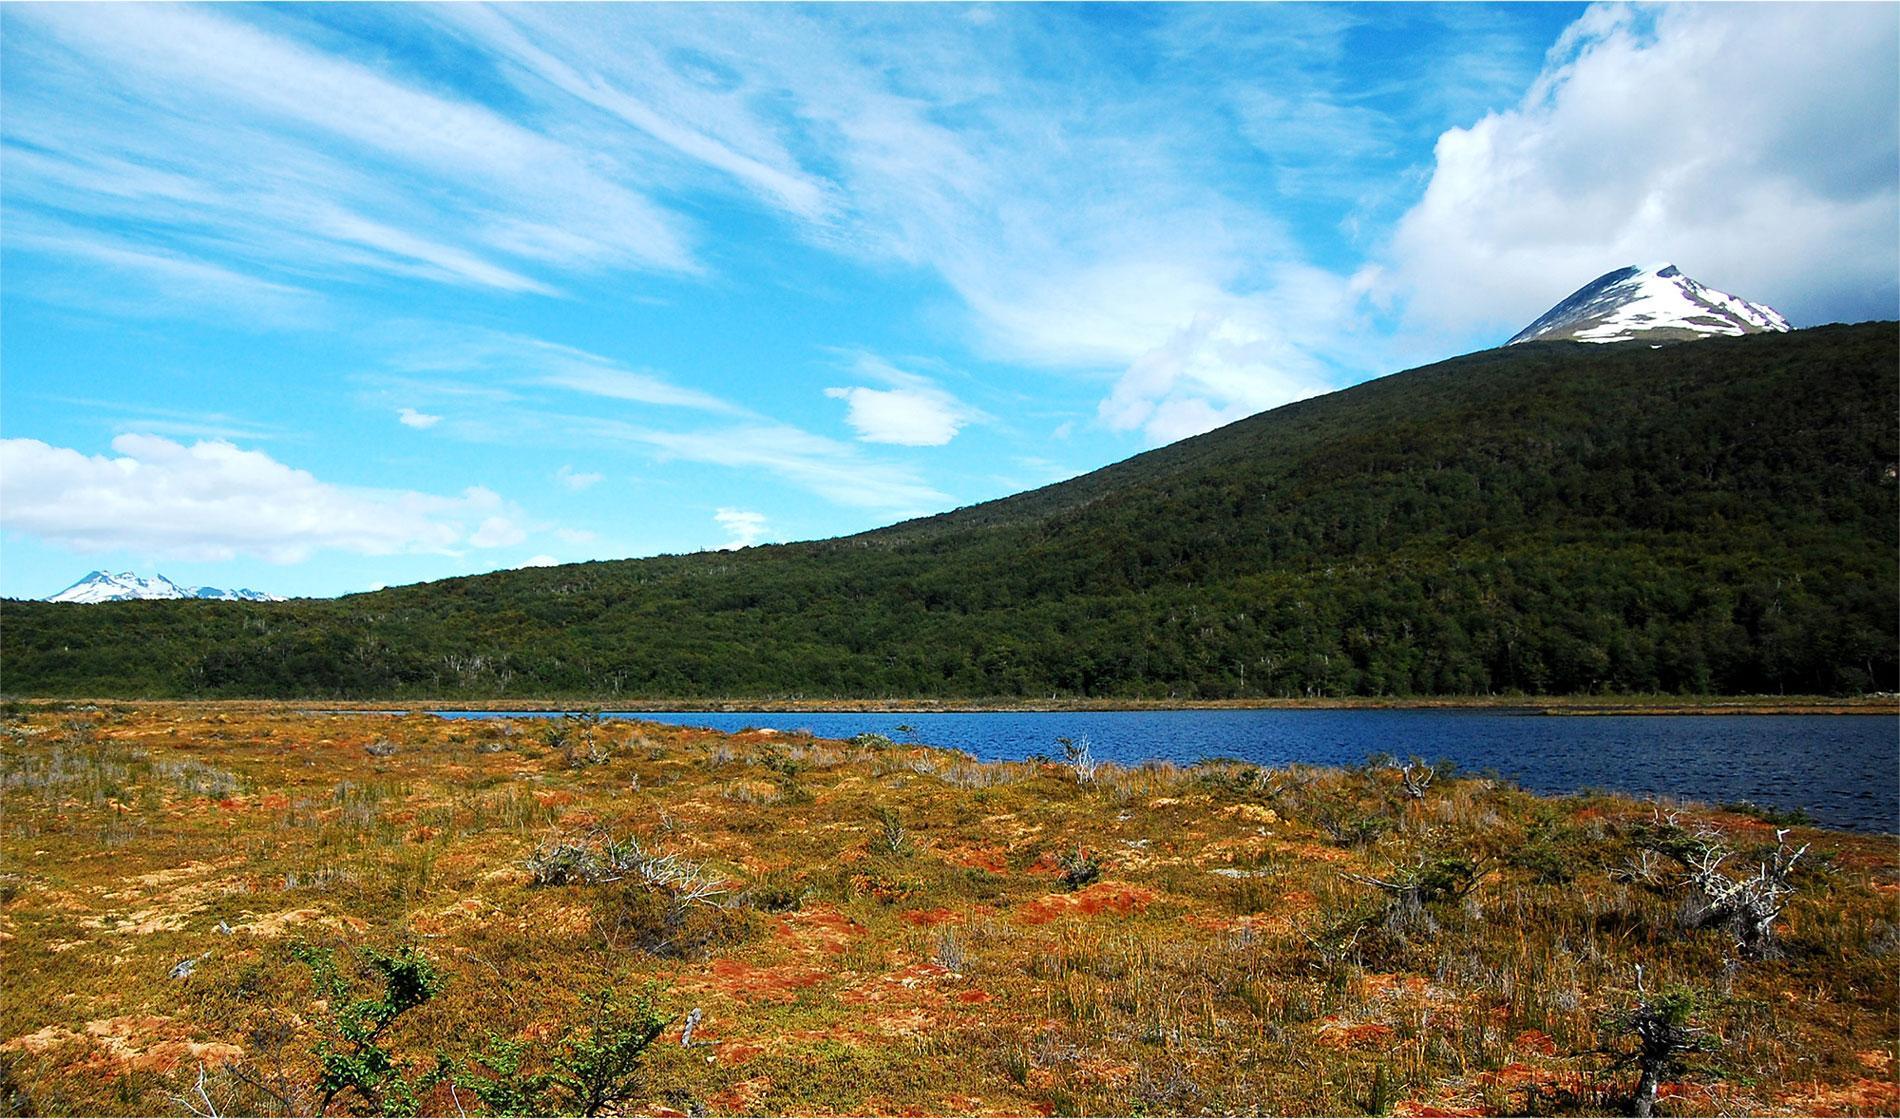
(1715, 517)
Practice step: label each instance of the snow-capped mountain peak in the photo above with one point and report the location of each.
(1655, 304)
(129, 586)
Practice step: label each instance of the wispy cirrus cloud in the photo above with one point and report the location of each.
(514, 388)
(126, 278)
(230, 141)
(522, 363)
(128, 418)
(834, 471)
(981, 161)
(966, 163)
(588, 55)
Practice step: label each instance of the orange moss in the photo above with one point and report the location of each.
(742, 1098)
(995, 860)
(884, 988)
(1864, 1096)
(1377, 984)
(143, 1042)
(1335, 1034)
(756, 983)
(737, 1052)
(819, 928)
(1118, 899)
(1879, 1060)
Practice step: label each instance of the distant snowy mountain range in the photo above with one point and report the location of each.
(128, 586)
(1657, 304)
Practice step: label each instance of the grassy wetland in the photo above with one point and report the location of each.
(244, 910)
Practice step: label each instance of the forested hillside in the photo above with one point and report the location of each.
(1711, 517)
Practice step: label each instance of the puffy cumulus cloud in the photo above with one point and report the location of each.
(913, 412)
(540, 561)
(409, 417)
(1756, 146)
(214, 501)
(908, 417)
(745, 528)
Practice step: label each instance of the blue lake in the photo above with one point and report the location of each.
(1843, 769)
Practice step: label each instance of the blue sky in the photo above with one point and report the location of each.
(318, 298)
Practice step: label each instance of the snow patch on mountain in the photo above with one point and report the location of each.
(1656, 304)
(128, 586)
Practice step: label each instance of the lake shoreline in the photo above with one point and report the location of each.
(1880, 704)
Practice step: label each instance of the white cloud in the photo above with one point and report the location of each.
(135, 280)
(214, 501)
(604, 380)
(826, 467)
(1232, 359)
(1075, 220)
(226, 140)
(528, 361)
(744, 528)
(907, 417)
(412, 418)
(914, 412)
(587, 53)
(1756, 146)
(574, 479)
(174, 421)
(496, 532)
(779, 451)
(540, 561)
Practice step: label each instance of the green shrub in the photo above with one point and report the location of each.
(351, 1051)
(593, 1068)
(1080, 867)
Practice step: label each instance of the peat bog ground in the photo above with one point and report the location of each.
(252, 910)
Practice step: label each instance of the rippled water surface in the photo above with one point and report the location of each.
(1843, 769)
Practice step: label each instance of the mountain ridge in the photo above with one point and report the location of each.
(1546, 518)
